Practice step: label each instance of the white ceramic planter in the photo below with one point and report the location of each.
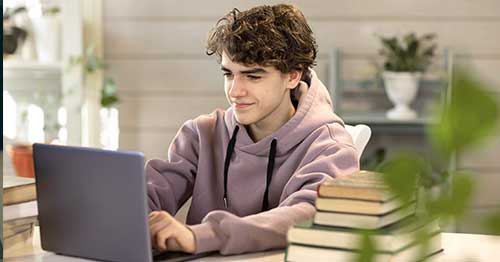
(48, 38)
(401, 88)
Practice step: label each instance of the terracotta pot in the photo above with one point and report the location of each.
(22, 159)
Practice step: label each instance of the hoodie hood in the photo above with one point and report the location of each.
(314, 110)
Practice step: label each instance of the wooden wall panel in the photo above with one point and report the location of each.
(485, 157)
(154, 144)
(472, 222)
(402, 9)
(136, 38)
(486, 192)
(486, 67)
(151, 112)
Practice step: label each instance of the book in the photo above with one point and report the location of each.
(369, 207)
(15, 226)
(389, 239)
(22, 210)
(364, 185)
(17, 240)
(11, 231)
(297, 252)
(20, 221)
(361, 221)
(18, 190)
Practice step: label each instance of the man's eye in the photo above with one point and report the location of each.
(227, 74)
(253, 77)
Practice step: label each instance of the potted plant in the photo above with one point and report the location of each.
(13, 34)
(109, 134)
(404, 62)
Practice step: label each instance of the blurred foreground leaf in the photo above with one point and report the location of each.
(471, 115)
(492, 223)
(402, 173)
(367, 248)
(454, 204)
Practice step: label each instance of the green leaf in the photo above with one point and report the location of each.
(391, 44)
(407, 55)
(109, 93)
(454, 204)
(51, 11)
(428, 37)
(93, 62)
(470, 117)
(367, 248)
(429, 51)
(492, 223)
(423, 239)
(108, 101)
(75, 60)
(461, 192)
(374, 160)
(412, 45)
(402, 173)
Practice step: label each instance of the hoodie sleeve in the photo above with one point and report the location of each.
(170, 182)
(223, 231)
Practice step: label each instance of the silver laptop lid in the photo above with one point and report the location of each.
(92, 203)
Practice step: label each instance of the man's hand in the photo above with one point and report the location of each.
(169, 234)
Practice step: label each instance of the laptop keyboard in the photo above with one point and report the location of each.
(177, 256)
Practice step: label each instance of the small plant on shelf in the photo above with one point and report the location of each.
(404, 61)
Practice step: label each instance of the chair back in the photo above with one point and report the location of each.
(360, 136)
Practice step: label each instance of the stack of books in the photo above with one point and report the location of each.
(19, 211)
(362, 201)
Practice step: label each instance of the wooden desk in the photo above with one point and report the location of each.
(457, 247)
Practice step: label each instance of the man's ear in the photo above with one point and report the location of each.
(294, 79)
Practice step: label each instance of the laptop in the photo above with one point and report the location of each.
(92, 204)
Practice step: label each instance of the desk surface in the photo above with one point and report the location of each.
(457, 247)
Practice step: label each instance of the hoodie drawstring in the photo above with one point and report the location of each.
(270, 168)
(227, 160)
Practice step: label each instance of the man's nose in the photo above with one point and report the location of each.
(237, 88)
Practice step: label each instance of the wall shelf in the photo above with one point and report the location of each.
(360, 99)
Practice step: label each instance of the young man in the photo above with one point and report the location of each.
(252, 170)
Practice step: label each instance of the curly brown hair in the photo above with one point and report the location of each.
(276, 36)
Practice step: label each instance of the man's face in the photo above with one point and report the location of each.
(257, 94)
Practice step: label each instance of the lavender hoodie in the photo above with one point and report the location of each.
(247, 194)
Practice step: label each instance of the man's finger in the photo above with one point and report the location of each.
(152, 214)
(160, 216)
(155, 228)
(162, 237)
(173, 244)
(160, 224)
